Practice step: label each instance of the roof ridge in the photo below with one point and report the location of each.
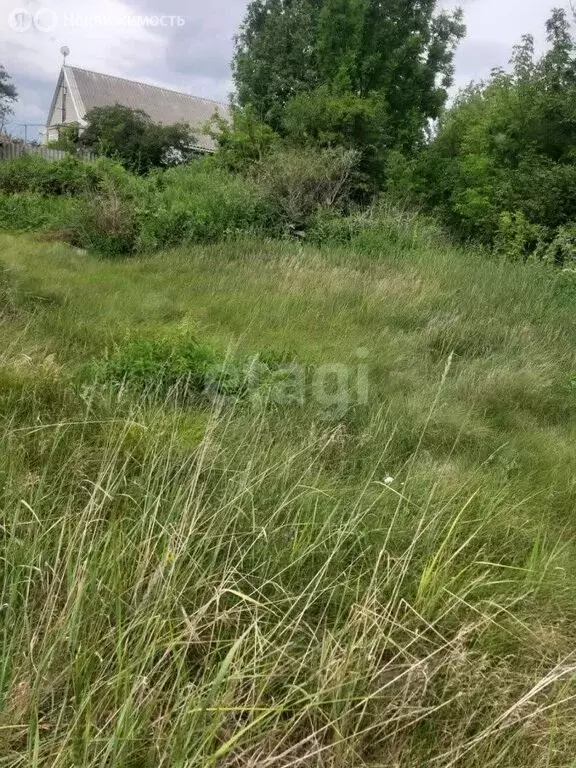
(148, 85)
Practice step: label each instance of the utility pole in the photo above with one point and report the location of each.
(29, 125)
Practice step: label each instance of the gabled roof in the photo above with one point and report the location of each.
(92, 89)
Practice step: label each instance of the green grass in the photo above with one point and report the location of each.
(240, 582)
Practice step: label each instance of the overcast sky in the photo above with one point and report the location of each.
(192, 50)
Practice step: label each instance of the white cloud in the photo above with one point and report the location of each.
(196, 57)
(493, 28)
(113, 47)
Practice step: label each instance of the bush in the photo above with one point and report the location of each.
(105, 173)
(330, 226)
(105, 216)
(517, 239)
(160, 367)
(328, 117)
(383, 228)
(562, 250)
(132, 138)
(106, 223)
(70, 176)
(117, 213)
(300, 182)
(33, 212)
(199, 203)
(243, 142)
(501, 166)
(110, 210)
(93, 205)
(31, 173)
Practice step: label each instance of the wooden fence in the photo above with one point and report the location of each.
(9, 151)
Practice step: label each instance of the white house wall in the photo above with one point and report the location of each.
(74, 113)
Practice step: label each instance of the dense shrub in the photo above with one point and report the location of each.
(35, 174)
(330, 226)
(561, 252)
(106, 223)
(243, 141)
(70, 176)
(501, 168)
(160, 367)
(134, 140)
(34, 212)
(300, 182)
(105, 173)
(327, 117)
(105, 214)
(383, 228)
(199, 203)
(517, 238)
(292, 191)
(100, 206)
(116, 212)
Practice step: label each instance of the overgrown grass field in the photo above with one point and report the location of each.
(208, 576)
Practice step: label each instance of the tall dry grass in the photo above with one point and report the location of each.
(246, 584)
(218, 605)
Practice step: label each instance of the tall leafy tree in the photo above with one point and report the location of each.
(276, 57)
(399, 52)
(8, 96)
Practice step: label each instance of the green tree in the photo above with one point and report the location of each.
(329, 117)
(8, 96)
(398, 53)
(243, 141)
(275, 57)
(130, 137)
(503, 163)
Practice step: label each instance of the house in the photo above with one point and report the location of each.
(79, 90)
